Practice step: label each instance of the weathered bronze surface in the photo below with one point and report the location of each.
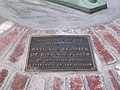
(60, 53)
(88, 6)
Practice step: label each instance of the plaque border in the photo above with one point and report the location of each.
(61, 70)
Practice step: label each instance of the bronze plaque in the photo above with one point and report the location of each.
(61, 53)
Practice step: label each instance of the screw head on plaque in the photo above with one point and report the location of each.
(88, 6)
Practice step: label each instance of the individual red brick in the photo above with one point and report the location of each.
(3, 75)
(9, 38)
(37, 83)
(75, 83)
(114, 81)
(104, 53)
(115, 28)
(94, 82)
(20, 48)
(58, 83)
(107, 36)
(19, 82)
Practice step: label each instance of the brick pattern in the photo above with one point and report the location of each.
(3, 75)
(114, 81)
(115, 28)
(9, 38)
(104, 53)
(108, 37)
(94, 82)
(58, 83)
(104, 41)
(19, 82)
(75, 82)
(20, 48)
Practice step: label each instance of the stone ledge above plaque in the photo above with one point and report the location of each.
(60, 53)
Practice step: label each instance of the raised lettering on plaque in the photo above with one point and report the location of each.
(61, 53)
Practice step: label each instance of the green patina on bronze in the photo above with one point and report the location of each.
(88, 6)
(61, 53)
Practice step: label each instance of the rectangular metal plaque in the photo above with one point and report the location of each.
(61, 53)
